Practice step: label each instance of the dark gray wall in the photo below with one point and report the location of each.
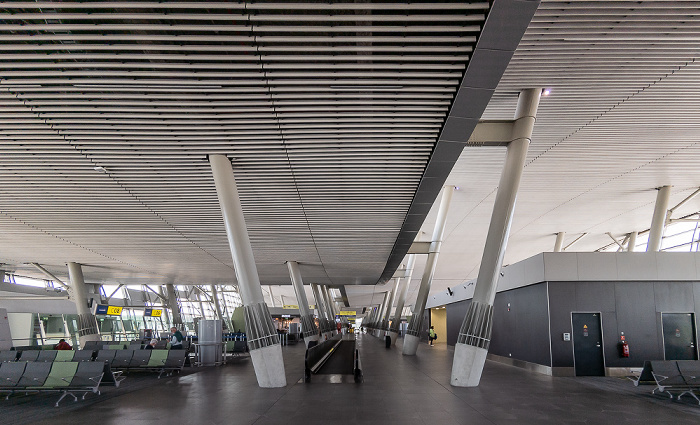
(521, 333)
(631, 307)
(455, 317)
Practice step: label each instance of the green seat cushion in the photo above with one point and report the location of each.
(61, 374)
(158, 358)
(64, 355)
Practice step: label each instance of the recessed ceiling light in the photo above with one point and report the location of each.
(100, 169)
(546, 92)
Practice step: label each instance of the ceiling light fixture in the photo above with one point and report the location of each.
(546, 92)
(100, 169)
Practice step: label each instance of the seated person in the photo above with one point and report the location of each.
(151, 345)
(176, 339)
(62, 345)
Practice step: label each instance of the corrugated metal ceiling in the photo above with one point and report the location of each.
(330, 112)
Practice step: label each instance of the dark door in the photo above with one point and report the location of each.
(588, 344)
(679, 336)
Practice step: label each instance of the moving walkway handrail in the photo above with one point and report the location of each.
(357, 369)
(317, 355)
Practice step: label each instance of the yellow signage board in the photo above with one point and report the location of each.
(312, 307)
(290, 307)
(114, 311)
(156, 313)
(347, 313)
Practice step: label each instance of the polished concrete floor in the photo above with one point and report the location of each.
(397, 390)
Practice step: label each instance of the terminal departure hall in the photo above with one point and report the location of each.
(350, 211)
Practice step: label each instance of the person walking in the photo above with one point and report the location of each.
(432, 336)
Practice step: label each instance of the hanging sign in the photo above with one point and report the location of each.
(585, 330)
(290, 307)
(152, 312)
(109, 310)
(347, 313)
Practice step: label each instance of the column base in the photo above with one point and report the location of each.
(269, 366)
(308, 339)
(394, 336)
(410, 345)
(467, 366)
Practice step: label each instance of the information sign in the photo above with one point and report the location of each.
(153, 312)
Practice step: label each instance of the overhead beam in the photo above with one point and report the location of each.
(491, 56)
(574, 241)
(49, 274)
(419, 248)
(492, 133)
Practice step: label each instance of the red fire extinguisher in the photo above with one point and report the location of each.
(625, 349)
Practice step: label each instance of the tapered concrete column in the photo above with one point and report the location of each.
(322, 311)
(77, 291)
(392, 297)
(308, 327)
(559, 242)
(333, 308)
(380, 314)
(403, 291)
(217, 305)
(632, 241)
(475, 335)
(372, 315)
(415, 326)
(263, 341)
(329, 308)
(658, 221)
(173, 306)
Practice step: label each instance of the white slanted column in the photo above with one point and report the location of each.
(329, 308)
(415, 326)
(380, 315)
(475, 335)
(217, 305)
(322, 312)
(632, 241)
(263, 341)
(403, 291)
(173, 306)
(387, 314)
(559, 243)
(368, 323)
(308, 327)
(77, 291)
(658, 221)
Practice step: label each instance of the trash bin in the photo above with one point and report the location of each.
(387, 339)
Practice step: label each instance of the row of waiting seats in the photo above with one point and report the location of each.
(47, 356)
(161, 361)
(162, 344)
(680, 376)
(69, 378)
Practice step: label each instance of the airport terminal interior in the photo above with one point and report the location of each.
(350, 211)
